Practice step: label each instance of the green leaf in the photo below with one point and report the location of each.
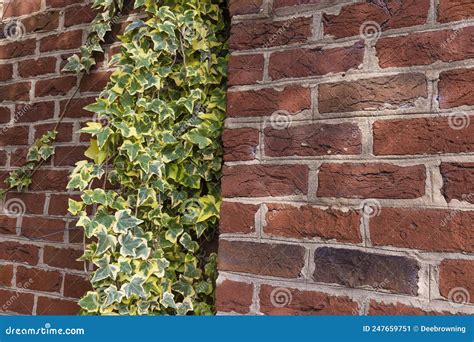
(125, 221)
(134, 287)
(168, 300)
(90, 302)
(105, 270)
(112, 296)
(105, 241)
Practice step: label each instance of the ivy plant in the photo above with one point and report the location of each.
(153, 176)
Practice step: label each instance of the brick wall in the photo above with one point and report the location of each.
(39, 243)
(349, 158)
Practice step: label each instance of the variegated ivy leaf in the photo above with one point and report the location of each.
(104, 240)
(112, 296)
(134, 287)
(90, 302)
(188, 243)
(105, 270)
(74, 206)
(168, 300)
(133, 246)
(125, 265)
(184, 307)
(125, 221)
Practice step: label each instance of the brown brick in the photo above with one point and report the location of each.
(426, 48)
(63, 41)
(277, 260)
(240, 144)
(292, 99)
(455, 280)
(17, 302)
(8, 225)
(40, 228)
(264, 180)
(425, 229)
(35, 67)
(246, 69)
(69, 155)
(308, 222)
(78, 15)
(76, 286)
(15, 92)
(53, 180)
(58, 204)
(390, 92)
(371, 180)
(383, 309)
(65, 130)
(32, 203)
(38, 279)
(61, 3)
(33, 112)
(456, 88)
(75, 109)
(14, 251)
(313, 140)
(458, 181)
(388, 15)
(13, 8)
(6, 275)
(422, 136)
(42, 22)
(287, 3)
(237, 218)
(353, 268)
(233, 296)
(18, 49)
(5, 115)
(16, 135)
(285, 301)
(56, 306)
(6, 72)
(267, 33)
(95, 81)
(63, 258)
(55, 87)
(239, 7)
(454, 10)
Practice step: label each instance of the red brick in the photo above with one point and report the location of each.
(371, 180)
(426, 229)
(16, 135)
(76, 286)
(458, 181)
(237, 218)
(421, 136)
(6, 275)
(38, 279)
(267, 33)
(63, 41)
(69, 155)
(354, 268)
(455, 280)
(34, 112)
(18, 49)
(62, 3)
(380, 93)
(388, 15)
(78, 15)
(5, 115)
(63, 258)
(56, 86)
(18, 156)
(3, 158)
(313, 140)
(286, 301)
(456, 88)
(240, 144)
(64, 130)
(264, 180)
(454, 10)
(35, 67)
(426, 48)
(58, 204)
(6, 72)
(14, 251)
(75, 109)
(15, 92)
(383, 309)
(277, 260)
(32, 203)
(56, 306)
(76, 234)
(13, 8)
(42, 22)
(95, 81)
(292, 99)
(233, 296)
(308, 222)
(239, 7)
(53, 180)
(17, 302)
(246, 69)
(40, 228)
(314, 62)
(287, 3)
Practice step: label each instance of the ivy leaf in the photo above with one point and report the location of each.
(112, 296)
(90, 302)
(188, 243)
(105, 241)
(124, 221)
(105, 270)
(168, 300)
(130, 244)
(134, 287)
(74, 206)
(94, 153)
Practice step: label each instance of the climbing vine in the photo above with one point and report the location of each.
(156, 159)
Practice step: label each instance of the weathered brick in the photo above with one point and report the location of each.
(455, 280)
(15, 135)
(6, 72)
(277, 260)
(15, 92)
(58, 204)
(240, 144)
(33, 112)
(15, 251)
(286, 301)
(426, 229)
(390, 92)
(63, 41)
(239, 7)
(234, 296)
(313, 140)
(371, 180)
(35, 67)
(53, 180)
(421, 136)
(76, 286)
(307, 222)
(38, 279)
(64, 130)
(426, 48)
(61, 3)
(63, 258)
(287, 3)
(78, 15)
(18, 49)
(353, 268)
(314, 62)
(245, 69)
(291, 99)
(456, 88)
(95, 81)
(5, 115)
(267, 33)
(31, 203)
(69, 155)
(13, 8)
(8, 225)
(237, 218)
(458, 181)
(264, 180)
(56, 306)
(41, 22)
(75, 109)
(383, 309)
(454, 10)
(388, 15)
(40, 228)
(18, 302)
(55, 87)
(6, 275)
